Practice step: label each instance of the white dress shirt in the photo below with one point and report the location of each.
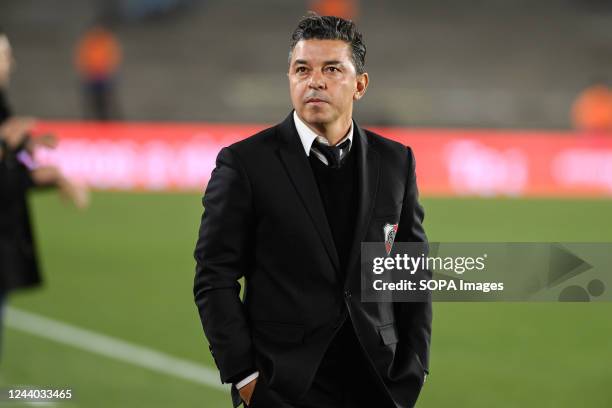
(308, 136)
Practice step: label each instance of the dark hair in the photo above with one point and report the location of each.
(316, 27)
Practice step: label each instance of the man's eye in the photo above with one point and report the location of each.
(333, 69)
(300, 70)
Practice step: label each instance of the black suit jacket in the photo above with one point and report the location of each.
(18, 262)
(264, 220)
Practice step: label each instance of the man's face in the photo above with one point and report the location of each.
(323, 82)
(6, 60)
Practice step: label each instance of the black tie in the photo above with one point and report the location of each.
(333, 154)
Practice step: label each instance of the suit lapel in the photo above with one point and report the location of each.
(298, 167)
(368, 168)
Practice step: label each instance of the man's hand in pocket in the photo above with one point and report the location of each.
(246, 392)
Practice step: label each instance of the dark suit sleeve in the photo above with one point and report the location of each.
(222, 258)
(414, 317)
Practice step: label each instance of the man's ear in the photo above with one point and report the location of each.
(362, 85)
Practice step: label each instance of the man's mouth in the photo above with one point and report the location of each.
(315, 100)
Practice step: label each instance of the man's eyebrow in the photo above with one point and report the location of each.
(331, 62)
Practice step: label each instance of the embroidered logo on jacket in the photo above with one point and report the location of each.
(389, 230)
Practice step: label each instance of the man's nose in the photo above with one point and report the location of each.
(317, 81)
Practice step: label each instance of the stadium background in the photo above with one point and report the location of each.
(459, 71)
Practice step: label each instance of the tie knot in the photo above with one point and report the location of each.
(333, 154)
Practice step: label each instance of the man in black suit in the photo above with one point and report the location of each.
(287, 210)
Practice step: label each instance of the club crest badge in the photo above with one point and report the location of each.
(389, 231)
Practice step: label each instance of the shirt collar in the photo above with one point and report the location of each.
(308, 136)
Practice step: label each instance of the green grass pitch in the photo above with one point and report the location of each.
(125, 268)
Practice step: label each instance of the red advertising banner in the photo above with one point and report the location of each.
(179, 156)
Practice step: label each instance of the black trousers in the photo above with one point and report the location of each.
(344, 379)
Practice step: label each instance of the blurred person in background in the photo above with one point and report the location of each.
(346, 9)
(592, 110)
(97, 59)
(287, 210)
(18, 174)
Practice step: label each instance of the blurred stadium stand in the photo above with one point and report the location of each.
(495, 63)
